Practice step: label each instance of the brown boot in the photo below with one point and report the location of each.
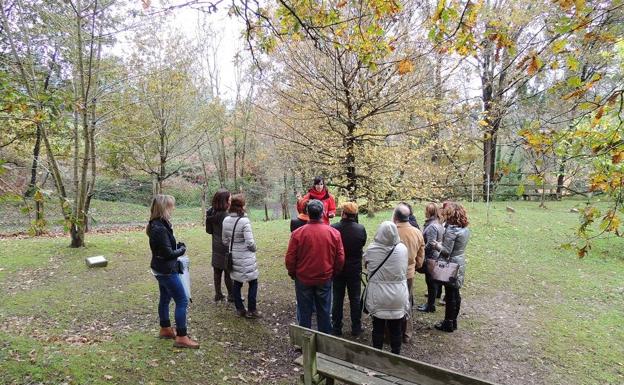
(167, 333)
(185, 342)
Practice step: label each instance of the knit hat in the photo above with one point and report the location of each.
(350, 208)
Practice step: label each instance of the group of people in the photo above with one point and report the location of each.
(325, 261)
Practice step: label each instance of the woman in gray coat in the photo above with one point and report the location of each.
(433, 231)
(244, 266)
(452, 249)
(387, 298)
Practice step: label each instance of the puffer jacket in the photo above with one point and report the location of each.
(387, 296)
(245, 268)
(164, 247)
(433, 231)
(214, 226)
(453, 248)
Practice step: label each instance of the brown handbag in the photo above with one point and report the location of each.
(442, 271)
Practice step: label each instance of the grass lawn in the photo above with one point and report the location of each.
(532, 313)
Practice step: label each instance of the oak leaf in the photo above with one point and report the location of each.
(405, 66)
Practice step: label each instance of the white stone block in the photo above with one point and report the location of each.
(97, 261)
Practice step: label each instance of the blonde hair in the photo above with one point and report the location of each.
(162, 205)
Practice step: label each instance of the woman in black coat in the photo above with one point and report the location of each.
(164, 264)
(214, 225)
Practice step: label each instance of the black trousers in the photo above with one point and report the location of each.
(394, 326)
(453, 303)
(433, 289)
(353, 287)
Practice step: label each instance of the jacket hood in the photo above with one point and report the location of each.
(211, 214)
(387, 234)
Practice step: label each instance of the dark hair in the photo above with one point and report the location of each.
(456, 215)
(315, 209)
(220, 200)
(318, 179)
(238, 204)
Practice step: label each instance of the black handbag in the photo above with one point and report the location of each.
(369, 277)
(229, 258)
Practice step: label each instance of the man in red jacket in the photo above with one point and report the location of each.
(315, 254)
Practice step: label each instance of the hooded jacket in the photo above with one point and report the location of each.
(245, 268)
(386, 294)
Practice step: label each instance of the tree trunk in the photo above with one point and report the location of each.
(284, 200)
(35, 163)
(350, 165)
(560, 179)
(266, 211)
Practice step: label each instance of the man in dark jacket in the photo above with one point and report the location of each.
(353, 239)
(315, 255)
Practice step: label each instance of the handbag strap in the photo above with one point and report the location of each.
(233, 230)
(382, 263)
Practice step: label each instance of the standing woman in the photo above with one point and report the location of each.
(319, 191)
(164, 264)
(245, 269)
(433, 232)
(387, 298)
(452, 249)
(214, 225)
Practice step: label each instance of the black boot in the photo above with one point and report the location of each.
(426, 308)
(454, 324)
(445, 326)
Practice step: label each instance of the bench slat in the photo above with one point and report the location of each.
(350, 373)
(381, 361)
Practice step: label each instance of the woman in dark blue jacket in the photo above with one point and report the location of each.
(164, 264)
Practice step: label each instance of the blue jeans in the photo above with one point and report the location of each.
(251, 295)
(318, 296)
(171, 287)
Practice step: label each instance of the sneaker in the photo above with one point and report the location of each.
(253, 314)
(241, 313)
(219, 297)
(442, 301)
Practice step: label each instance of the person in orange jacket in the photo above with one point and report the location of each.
(320, 192)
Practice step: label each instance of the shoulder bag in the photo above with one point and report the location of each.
(229, 259)
(442, 271)
(365, 282)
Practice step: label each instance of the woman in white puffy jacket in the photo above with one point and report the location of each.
(387, 298)
(245, 268)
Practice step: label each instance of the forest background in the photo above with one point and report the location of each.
(110, 100)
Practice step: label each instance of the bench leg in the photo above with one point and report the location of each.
(310, 376)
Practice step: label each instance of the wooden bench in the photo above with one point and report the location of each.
(326, 359)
